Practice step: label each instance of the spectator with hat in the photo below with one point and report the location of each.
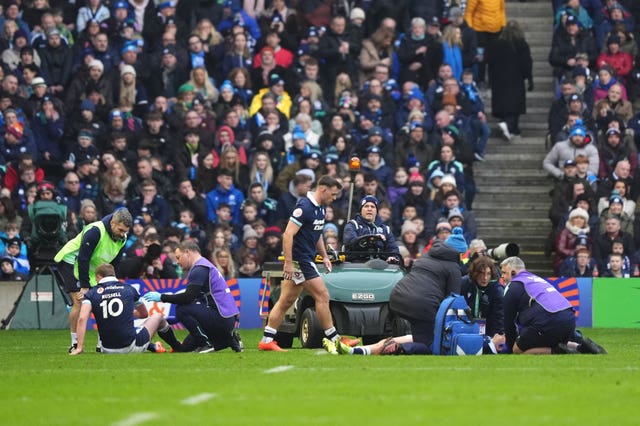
(84, 148)
(87, 116)
(57, 61)
(571, 105)
(92, 78)
(367, 222)
(272, 243)
(412, 109)
(261, 75)
(613, 149)
(621, 62)
(452, 200)
(17, 250)
(310, 159)
(615, 209)
(620, 189)
(268, 105)
(565, 182)
(250, 246)
(13, 50)
(374, 163)
(93, 11)
(612, 13)
(282, 56)
(578, 143)
(414, 150)
(281, 97)
(417, 196)
(447, 162)
(601, 85)
(174, 73)
(583, 78)
(409, 242)
(577, 225)
(7, 270)
(376, 137)
(573, 8)
(14, 143)
(39, 91)
(570, 40)
(443, 231)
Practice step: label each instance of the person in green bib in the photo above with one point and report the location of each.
(99, 242)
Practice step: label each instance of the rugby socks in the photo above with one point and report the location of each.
(74, 338)
(167, 335)
(269, 334)
(360, 350)
(332, 334)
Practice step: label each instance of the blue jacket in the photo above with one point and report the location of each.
(218, 195)
(358, 226)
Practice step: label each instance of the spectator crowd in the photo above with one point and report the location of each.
(594, 132)
(209, 119)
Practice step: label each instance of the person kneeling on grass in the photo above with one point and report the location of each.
(114, 306)
(206, 308)
(537, 318)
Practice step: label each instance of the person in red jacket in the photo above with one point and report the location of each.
(12, 178)
(620, 61)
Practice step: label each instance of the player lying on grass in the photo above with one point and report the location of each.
(114, 306)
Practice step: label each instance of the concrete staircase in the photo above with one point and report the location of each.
(512, 200)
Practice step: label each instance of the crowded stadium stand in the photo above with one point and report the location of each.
(209, 119)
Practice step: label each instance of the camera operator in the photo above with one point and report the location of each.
(367, 222)
(148, 261)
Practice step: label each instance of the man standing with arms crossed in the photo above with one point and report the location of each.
(301, 240)
(99, 242)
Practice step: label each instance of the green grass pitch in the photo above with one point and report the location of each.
(41, 385)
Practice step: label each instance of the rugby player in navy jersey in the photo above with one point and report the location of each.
(206, 308)
(114, 306)
(301, 240)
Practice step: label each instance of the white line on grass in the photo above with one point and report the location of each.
(136, 419)
(197, 399)
(279, 369)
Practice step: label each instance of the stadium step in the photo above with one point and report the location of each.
(513, 190)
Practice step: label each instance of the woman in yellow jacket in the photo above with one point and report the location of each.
(487, 17)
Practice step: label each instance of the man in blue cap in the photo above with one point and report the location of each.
(367, 222)
(579, 143)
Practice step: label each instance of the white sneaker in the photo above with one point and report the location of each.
(505, 130)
